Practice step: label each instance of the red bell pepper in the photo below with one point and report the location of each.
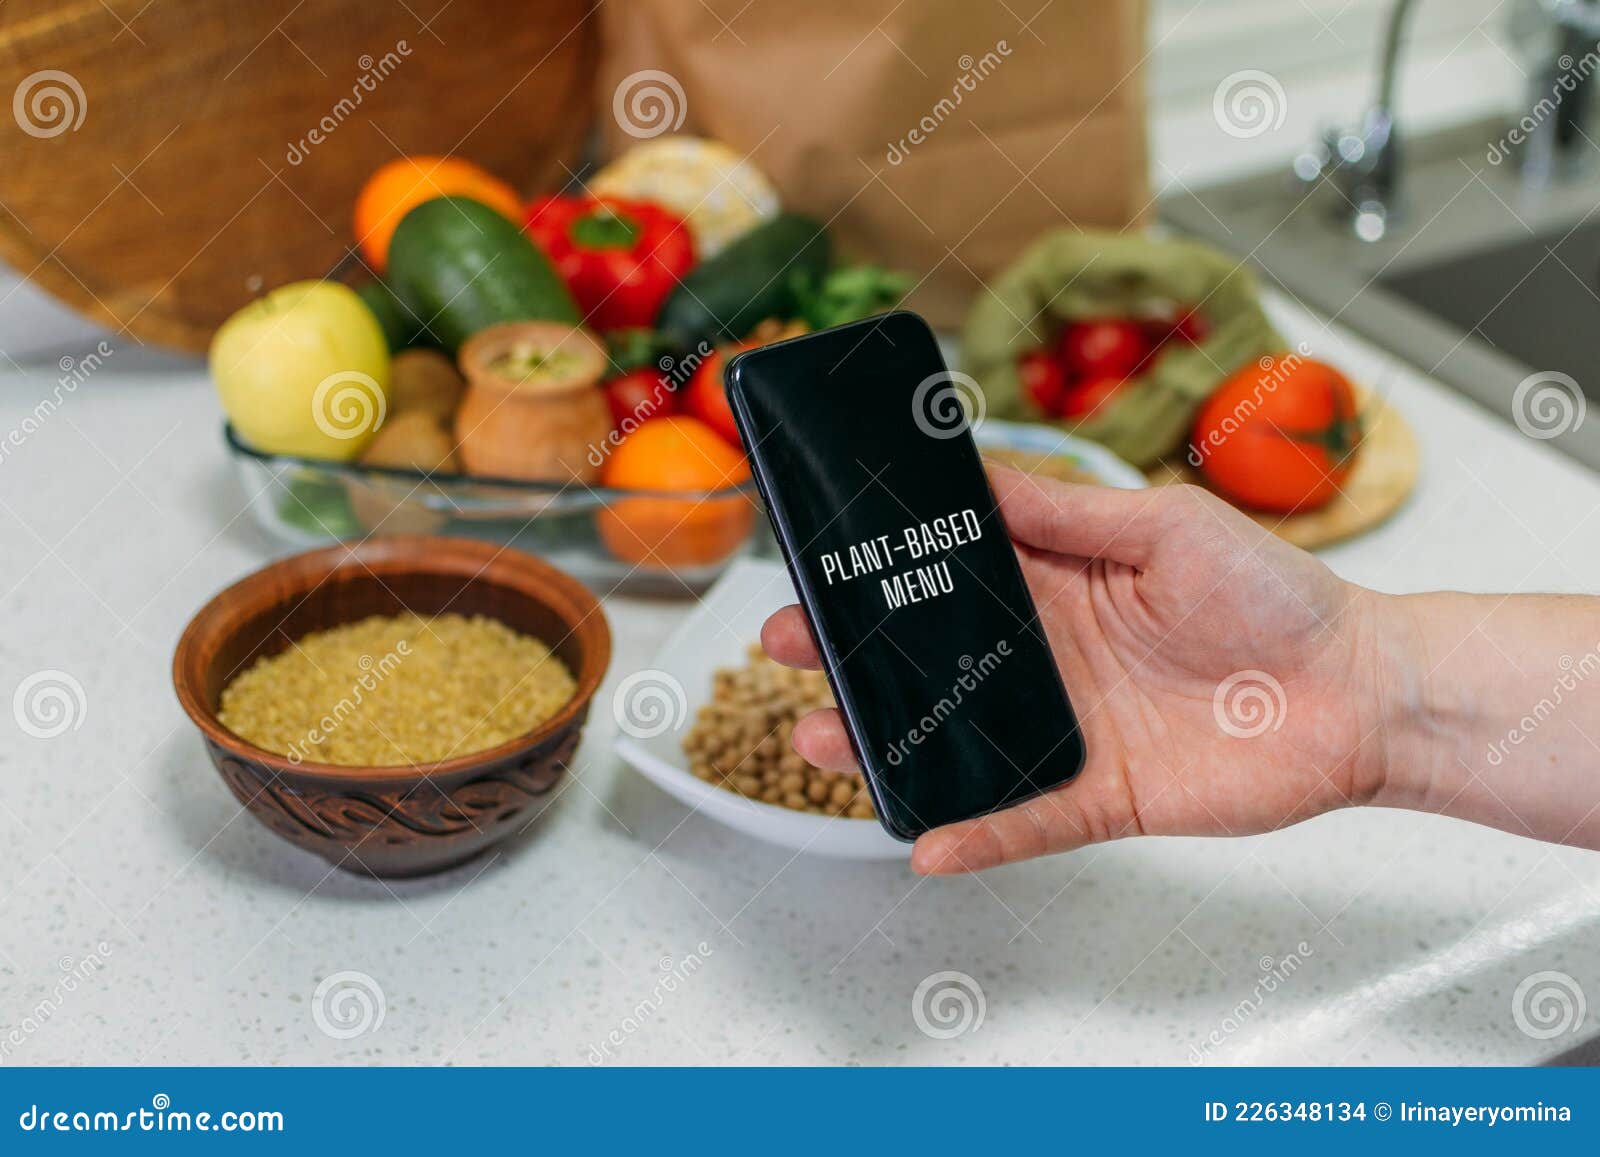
(620, 258)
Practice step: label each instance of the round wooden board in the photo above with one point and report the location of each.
(163, 161)
(1385, 474)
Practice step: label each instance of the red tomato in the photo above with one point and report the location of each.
(705, 398)
(639, 395)
(1192, 327)
(1044, 380)
(1279, 436)
(619, 258)
(1085, 398)
(1093, 349)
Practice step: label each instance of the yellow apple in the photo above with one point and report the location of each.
(303, 371)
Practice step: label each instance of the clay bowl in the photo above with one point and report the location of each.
(393, 821)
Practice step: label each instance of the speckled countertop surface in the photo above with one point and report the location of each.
(148, 920)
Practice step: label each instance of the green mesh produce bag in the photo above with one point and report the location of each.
(1071, 276)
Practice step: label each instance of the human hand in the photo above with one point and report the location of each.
(1226, 682)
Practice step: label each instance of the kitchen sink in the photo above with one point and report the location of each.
(1479, 280)
(1534, 300)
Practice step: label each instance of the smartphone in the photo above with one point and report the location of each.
(861, 449)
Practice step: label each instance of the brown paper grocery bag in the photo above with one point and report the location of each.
(934, 136)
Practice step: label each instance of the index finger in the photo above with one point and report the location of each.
(786, 637)
(1077, 518)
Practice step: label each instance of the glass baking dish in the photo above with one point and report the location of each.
(624, 541)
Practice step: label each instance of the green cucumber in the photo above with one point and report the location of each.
(726, 296)
(401, 328)
(461, 267)
(316, 505)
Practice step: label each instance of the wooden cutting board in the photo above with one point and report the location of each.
(1385, 473)
(163, 161)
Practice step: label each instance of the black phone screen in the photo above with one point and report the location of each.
(862, 452)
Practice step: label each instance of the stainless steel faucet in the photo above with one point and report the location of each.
(1363, 161)
(1560, 42)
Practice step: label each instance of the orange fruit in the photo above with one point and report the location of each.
(681, 455)
(405, 182)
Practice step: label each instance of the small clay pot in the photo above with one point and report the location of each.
(533, 408)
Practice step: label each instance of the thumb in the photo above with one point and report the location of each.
(1060, 820)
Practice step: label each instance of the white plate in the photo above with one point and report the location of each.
(1036, 438)
(716, 634)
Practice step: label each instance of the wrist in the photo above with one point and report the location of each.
(1411, 748)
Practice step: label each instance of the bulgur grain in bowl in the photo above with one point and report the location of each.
(475, 621)
(397, 690)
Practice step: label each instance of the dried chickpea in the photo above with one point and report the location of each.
(740, 740)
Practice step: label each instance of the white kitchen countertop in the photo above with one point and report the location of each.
(120, 515)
